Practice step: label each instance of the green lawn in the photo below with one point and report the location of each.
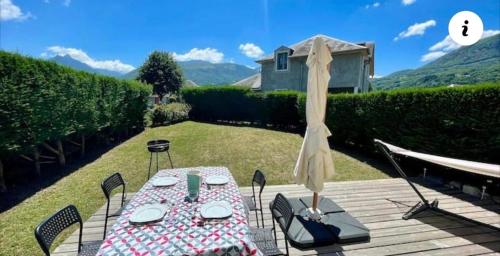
(241, 149)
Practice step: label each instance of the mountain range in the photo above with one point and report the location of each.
(66, 60)
(467, 65)
(479, 62)
(196, 72)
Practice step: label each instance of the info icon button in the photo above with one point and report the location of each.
(465, 28)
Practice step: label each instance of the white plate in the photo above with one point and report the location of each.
(164, 181)
(216, 210)
(148, 213)
(217, 180)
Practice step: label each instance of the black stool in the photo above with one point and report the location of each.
(157, 146)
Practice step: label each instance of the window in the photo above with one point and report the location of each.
(282, 61)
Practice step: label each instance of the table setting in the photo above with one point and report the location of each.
(186, 211)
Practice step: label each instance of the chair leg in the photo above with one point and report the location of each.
(105, 227)
(274, 230)
(80, 237)
(150, 160)
(262, 217)
(123, 196)
(257, 218)
(170, 159)
(106, 221)
(286, 246)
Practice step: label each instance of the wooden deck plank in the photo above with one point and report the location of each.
(379, 204)
(490, 248)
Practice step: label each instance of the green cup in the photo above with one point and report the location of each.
(194, 183)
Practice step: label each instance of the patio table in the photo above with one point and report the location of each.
(182, 232)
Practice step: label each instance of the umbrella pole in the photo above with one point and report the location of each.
(315, 201)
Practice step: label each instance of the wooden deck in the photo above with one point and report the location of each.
(379, 204)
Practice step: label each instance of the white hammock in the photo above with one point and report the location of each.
(492, 170)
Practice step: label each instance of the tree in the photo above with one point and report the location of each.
(162, 72)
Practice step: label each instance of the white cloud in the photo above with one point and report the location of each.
(63, 2)
(416, 29)
(207, 54)
(374, 5)
(10, 11)
(251, 50)
(408, 2)
(80, 55)
(490, 32)
(447, 44)
(432, 56)
(377, 76)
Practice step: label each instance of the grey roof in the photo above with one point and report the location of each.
(336, 46)
(252, 81)
(190, 83)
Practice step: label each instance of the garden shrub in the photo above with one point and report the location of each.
(169, 113)
(41, 101)
(461, 122)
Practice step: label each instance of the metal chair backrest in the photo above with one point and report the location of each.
(260, 179)
(47, 231)
(284, 209)
(112, 182)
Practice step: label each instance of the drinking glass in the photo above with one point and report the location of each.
(194, 183)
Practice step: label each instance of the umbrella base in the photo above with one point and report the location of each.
(314, 215)
(335, 226)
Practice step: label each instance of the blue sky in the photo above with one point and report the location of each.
(118, 35)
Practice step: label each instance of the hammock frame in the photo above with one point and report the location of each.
(424, 204)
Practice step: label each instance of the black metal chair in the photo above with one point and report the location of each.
(260, 179)
(47, 231)
(263, 238)
(282, 211)
(108, 185)
(156, 147)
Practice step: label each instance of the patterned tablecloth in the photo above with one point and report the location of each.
(182, 231)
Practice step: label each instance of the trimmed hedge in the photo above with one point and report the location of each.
(462, 122)
(41, 101)
(281, 108)
(222, 103)
(459, 122)
(240, 104)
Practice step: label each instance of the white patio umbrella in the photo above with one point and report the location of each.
(315, 164)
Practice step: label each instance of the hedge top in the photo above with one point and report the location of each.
(459, 122)
(43, 101)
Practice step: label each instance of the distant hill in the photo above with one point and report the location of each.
(467, 65)
(196, 71)
(131, 75)
(66, 60)
(206, 73)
